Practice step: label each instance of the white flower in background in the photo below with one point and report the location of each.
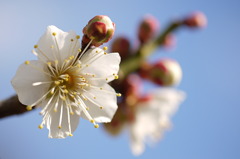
(152, 118)
(67, 85)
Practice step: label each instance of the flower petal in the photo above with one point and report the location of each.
(59, 46)
(104, 67)
(23, 81)
(153, 117)
(105, 98)
(52, 123)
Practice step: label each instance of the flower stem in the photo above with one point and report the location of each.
(132, 63)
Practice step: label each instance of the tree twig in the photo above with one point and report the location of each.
(11, 106)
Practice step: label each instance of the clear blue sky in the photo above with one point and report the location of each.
(207, 123)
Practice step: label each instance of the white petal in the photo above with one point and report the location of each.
(106, 99)
(137, 145)
(153, 117)
(58, 47)
(22, 82)
(52, 123)
(103, 66)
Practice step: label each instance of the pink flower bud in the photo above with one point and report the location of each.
(99, 29)
(122, 46)
(148, 27)
(165, 72)
(196, 20)
(169, 41)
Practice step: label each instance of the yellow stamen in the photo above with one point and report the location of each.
(40, 126)
(105, 48)
(119, 94)
(27, 62)
(29, 107)
(77, 37)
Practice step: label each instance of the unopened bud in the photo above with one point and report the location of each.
(122, 46)
(169, 41)
(148, 27)
(196, 20)
(165, 72)
(99, 29)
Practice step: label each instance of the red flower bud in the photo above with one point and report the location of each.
(196, 20)
(148, 27)
(169, 41)
(122, 46)
(165, 72)
(99, 29)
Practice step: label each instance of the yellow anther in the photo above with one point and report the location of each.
(65, 91)
(74, 93)
(63, 98)
(56, 82)
(49, 63)
(66, 79)
(92, 121)
(96, 125)
(66, 60)
(87, 65)
(56, 61)
(105, 53)
(77, 37)
(40, 126)
(94, 97)
(101, 107)
(52, 46)
(72, 40)
(59, 127)
(78, 65)
(54, 33)
(27, 62)
(52, 91)
(79, 50)
(55, 110)
(87, 108)
(105, 48)
(101, 88)
(119, 94)
(35, 46)
(93, 75)
(71, 57)
(116, 77)
(97, 51)
(72, 113)
(106, 79)
(29, 107)
(70, 134)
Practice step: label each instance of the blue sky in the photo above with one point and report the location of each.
(207, 123)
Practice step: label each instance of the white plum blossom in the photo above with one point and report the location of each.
(68, 83)
(152, 118)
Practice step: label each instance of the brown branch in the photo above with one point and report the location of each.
(11, 106)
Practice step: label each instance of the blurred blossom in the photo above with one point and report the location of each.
(169, 41)
(166, 72)
(196, 20)
(147, 28)
(99, 30)
(67, 83)
(122, 46)
(153, 117)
